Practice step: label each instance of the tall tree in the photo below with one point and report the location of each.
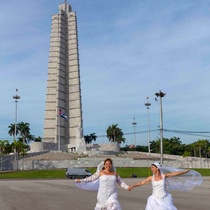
(24, 131)
(170, 146)
(115, 134)
(155, 146)
(202, 146)
(38, 139)
(11, 131)
(3, 144)
(90, 138)
(17, 147)
(208, 152)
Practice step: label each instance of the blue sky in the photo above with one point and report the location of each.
(129, 50)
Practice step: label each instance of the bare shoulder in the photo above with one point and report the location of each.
(101, 173)
(164, 175)
(147, 180)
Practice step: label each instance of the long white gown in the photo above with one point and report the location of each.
(160, 199)
(107, 193)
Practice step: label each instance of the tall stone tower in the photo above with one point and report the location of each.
(63, 84)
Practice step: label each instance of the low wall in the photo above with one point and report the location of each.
(39, 146)
(114, 147)
(142, 160)
(36, 146)
(118, 162)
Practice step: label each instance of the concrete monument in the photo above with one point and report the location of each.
(63, 111)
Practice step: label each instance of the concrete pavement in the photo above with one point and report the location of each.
(61, 194)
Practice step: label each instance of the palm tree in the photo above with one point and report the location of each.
(201, 145)
(11, 131)
(115, 134)
(17, 147)
(24, 154)
(3, 144)
(27, 139)
(208, 152)
(24, 130)
(90, 138)
(111, 132)
(38, 139)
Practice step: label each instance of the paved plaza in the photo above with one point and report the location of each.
(61, 194)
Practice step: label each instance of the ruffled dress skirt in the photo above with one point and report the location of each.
(165, 203)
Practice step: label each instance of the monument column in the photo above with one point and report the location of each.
(63, 84)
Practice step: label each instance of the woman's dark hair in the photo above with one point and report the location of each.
(108, 159)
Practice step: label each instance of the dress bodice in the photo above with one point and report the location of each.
(107, 186)
(159, 190)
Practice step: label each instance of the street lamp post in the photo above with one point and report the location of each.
(161, 95)
(16, 98)
(134, 127)
(147, 104)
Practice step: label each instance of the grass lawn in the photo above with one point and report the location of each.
(35, 174)
(60, 173)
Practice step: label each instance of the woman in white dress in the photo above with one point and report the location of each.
(160, 198)
(104, 180)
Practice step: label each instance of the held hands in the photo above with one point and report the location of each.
(130, 188)
(77, 180)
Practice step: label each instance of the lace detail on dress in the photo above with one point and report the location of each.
(91, 178)
(89, 183)
(106, 186)
(121, 183)
(107, 194)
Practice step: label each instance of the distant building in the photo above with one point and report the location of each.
(132, 146)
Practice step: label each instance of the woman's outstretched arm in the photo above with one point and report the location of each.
(146, 181)
(89, 179)
(121, 183)
(176, 173)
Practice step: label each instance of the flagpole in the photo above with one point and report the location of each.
(59, 132)
(63, 115)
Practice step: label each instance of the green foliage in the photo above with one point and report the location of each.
(186, 154)
(115, 134)
(90, 138)
(38, 139)
(200, 148)
(174, 146)
(22, 132)
(3, 145)
(138, 148)
(170, 146)
(19, 146)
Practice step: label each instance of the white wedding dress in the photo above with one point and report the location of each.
(107, 193)
(160, 199)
